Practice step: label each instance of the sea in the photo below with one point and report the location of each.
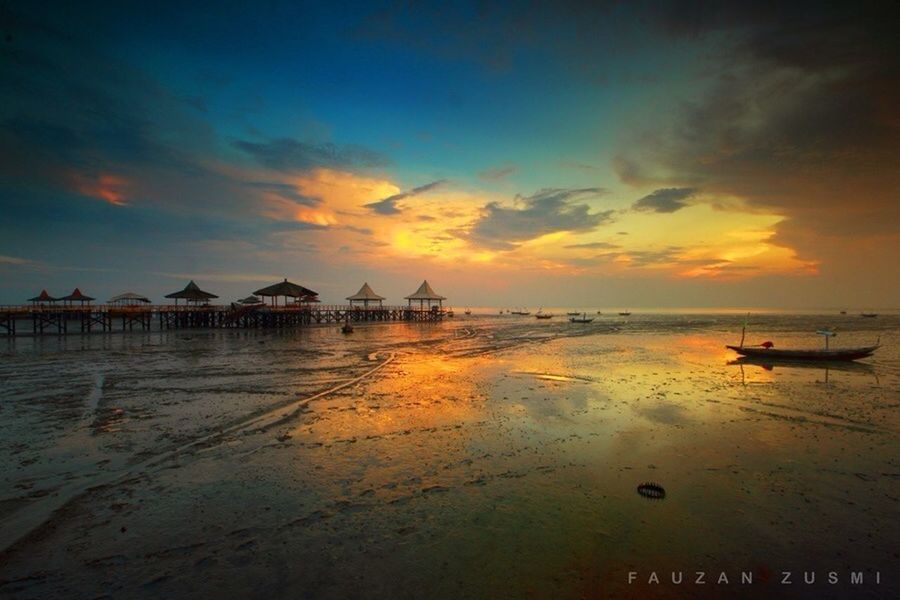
(485, 456)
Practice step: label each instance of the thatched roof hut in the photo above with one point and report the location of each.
(77, 296)
(42, 298)
(365, 295)
(425, 294)
(192, 293)
(287, 290)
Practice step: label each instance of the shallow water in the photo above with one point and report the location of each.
(486, 456)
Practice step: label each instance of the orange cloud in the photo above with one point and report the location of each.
(108, 187)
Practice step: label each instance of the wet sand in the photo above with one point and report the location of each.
(483, 457)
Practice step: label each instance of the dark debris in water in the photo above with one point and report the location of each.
(651, 490)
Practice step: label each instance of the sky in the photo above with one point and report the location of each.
(630, 154)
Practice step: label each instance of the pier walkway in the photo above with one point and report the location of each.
(59, 320)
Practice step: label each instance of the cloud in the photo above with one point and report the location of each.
(796, 112)
(497, 173)
(287, 154)
(285, 191)
(388, 206)
(548, 211)
(594, 245)
(665, 200)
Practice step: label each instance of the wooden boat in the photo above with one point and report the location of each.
(573, 314)
(869, 315)
(770, 363)
(521, 312)
(806, 354)
(543, 315)
(599, 312)
(582, 319)
(450, 313)
(468, 312)
(625, 314)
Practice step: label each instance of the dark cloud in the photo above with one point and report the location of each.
(388, 206)
(580, 166)
(497, 173)
(799, 117)
(649, 258)
(665, 200)
(547, 211)
(594, 245)
(286, 154)
(283, 190)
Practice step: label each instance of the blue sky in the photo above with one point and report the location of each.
(647, 153)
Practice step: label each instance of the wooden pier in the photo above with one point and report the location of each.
(61, 320)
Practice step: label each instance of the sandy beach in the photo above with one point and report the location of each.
(481, 457)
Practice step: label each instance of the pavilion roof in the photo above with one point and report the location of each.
(76, 295)
(43, 297)
(191, 292)
(425, 293)
(129, 296)
(286, 288)
(365, 293)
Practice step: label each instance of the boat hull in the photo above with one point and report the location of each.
(824, 355)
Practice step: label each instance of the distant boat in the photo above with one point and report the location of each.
(599, 312)
(573, 314)
(582, 319)
(468, 312)
(521, 312)
(540, 314)
(869, 315)
(347, 328)
(625, 314)
(806, 354)
(450, 312)
(843, 312)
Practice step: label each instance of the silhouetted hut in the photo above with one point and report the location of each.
(364, 296)
(128, 299)
(285, 289)
(77, 296)
(43, 298)
(250, 300)
(192, 294)
(426, 294)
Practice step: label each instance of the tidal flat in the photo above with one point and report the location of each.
(482, 457)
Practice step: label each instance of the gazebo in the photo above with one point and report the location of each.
(364, 296)
(129, 299)
(286, 289)
(425, 294)
(77, 296)
(192, 294)
(43, 298)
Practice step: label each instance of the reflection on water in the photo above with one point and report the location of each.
(483, 457)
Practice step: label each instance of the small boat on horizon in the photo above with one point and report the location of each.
(450, 312)
(869, 315)
(468, 312)
(625, 313)
(573, 314)
(540, 314)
